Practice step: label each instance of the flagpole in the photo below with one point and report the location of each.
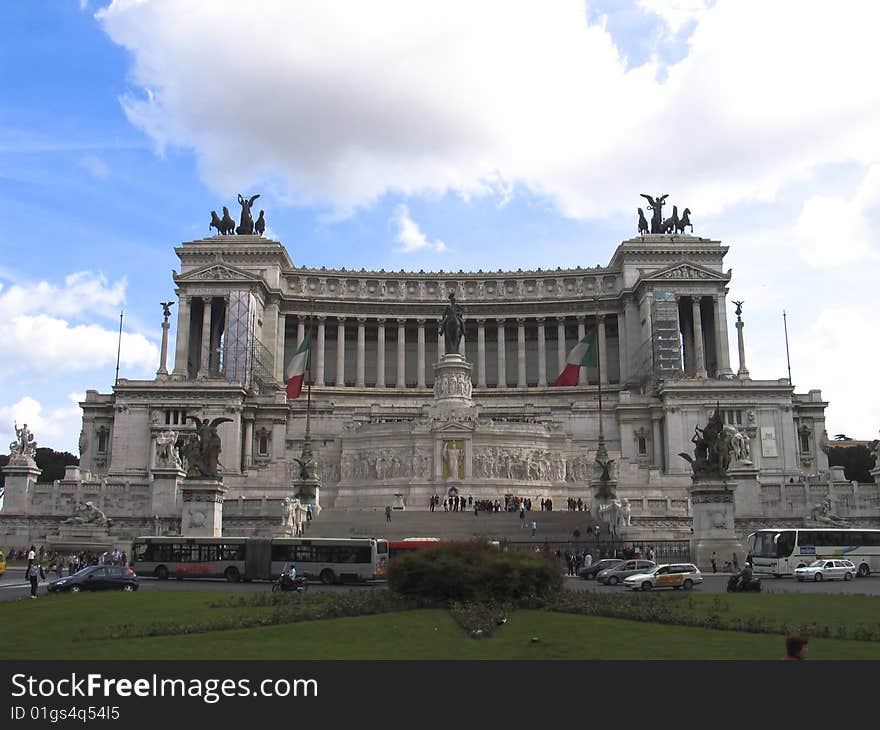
(118, 351)
(309, 370)
(787, 358)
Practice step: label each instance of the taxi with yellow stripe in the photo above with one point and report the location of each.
(2, 563)
(669, 575)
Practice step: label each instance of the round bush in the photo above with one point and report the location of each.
(473, 571)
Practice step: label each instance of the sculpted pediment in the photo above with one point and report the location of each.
(685, 271)
(217, 272)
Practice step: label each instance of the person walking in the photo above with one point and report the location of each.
(522, 516)
(35, 574)
(388, 513)
(714, 565)
(534, 527)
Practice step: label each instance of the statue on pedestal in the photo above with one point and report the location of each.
(246, 226)
(85, 513)
(711, 450)
(24, 444)
(202, 450)
(166, 453)
(452, 325)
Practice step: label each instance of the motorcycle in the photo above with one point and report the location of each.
(736, 585)
(285, 583)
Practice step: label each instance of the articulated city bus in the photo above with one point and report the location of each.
(782, 551)
(329, 560)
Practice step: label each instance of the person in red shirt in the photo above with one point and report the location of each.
(795, 647)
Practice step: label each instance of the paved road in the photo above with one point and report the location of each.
(13, 587)
(718, 584)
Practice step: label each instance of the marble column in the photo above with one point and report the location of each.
(502, 355)
(248, 443)
(521, 353)
(481, 353)
(205, 361)
(542, 354)
(361, 352)
(582, 332)
(319, 355)
(722, 353)
(340, 352)
(420, 361)
(622, 349)
(743, 371)
(163, 355)
(699, 351)
(401, 354)
(441, 345)
(181, 351)
(656, 445)
(380, 354)
(603, 350)
(280, 342)
(300, 331)
(561, 347)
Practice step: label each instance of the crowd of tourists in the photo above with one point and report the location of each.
(59, 561)
(508, 503)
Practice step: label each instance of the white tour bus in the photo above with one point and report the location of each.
(329, 560)
(781, 551)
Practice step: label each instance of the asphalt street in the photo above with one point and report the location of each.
(13, 586)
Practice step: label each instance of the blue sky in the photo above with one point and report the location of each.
(518, 135)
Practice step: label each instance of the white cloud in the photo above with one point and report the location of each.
(348, 101)
(95, 166)
(675, 13)
(58, 427)
(835, 231)
(39, 337)
(410, 235)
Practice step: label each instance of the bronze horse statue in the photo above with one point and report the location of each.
(670, 223)
(684, 221)
(224, 225)
(643, 223)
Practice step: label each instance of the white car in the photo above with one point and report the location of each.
(826, 570)
(671, 575)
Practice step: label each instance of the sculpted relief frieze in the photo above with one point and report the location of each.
(377, 464)
(518, 464)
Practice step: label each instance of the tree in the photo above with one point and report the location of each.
(857, 461)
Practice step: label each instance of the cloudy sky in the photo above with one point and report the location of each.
(425, 135)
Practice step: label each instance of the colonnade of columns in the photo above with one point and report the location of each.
(531, 365)
(696, 338)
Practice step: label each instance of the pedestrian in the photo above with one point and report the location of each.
(714, 565)
(308, 513)
(388, 513)
(522, 517)
(534, 527)
(35, 574)
(796, 647)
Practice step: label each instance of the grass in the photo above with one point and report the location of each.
(54, 626)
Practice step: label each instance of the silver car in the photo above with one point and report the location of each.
(826, 570)
(616, 573)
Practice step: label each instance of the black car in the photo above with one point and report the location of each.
(591, 572)
(97, 578)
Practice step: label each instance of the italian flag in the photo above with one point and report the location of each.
(584, 354)
(296, 370)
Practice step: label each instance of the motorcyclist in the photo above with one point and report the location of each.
(745, 576)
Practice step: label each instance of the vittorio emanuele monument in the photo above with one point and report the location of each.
(555, 383)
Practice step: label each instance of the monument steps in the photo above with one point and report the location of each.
(553, 526)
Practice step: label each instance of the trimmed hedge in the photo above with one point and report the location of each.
(473, 571)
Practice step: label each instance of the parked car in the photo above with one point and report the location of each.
(826, 569)
(96, 578)
(616, 573)
(595, 568)
(672, 575)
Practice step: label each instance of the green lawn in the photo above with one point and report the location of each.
(54, 627)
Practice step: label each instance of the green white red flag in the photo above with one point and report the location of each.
(584, 354)
(296, 370)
